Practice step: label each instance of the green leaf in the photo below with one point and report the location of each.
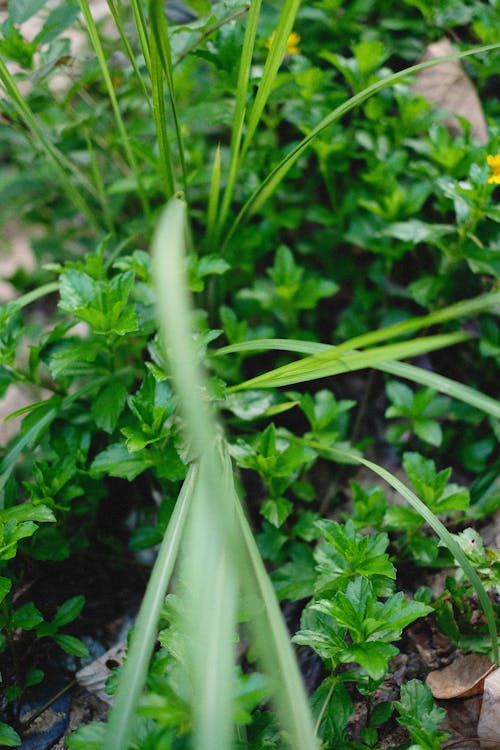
(108, 405)
(429, 431)
(68, 611)
(8, 736)
(88, 737)
(26, 617)
(415, 231)
(116, 461)
(347, 554)
(5, 587)
(71, 645)
(21, 10)
(419, 714)
(295, 580)
(432, 486)
(276, 510)
(372, 656)
(332, 700)
(59, 19)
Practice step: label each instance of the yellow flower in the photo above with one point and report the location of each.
(494, 165)
(292, 43)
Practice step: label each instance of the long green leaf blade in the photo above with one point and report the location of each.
(329, 363)
(121, 720)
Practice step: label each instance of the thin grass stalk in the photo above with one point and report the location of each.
(277, 174)
(62, 166)
(117, 18)
(273, 645)
(96, 44)
(213, 198)
(142, 33)
(96, 174)
(271, 67)
(159, 29)
(240, 108)
(160, 118)
(133, 677)
(211, 583)
(310, 369)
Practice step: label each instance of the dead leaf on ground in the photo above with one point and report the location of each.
(449, 87)
(93, 677)
(488, 725)
(463, 678)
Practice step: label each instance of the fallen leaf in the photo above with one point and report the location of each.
(93, 677)
(449, 87)
(462, 678)
(488, 726)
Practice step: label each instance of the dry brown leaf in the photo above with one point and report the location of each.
(488, 725)
(464, 677)
(449, 87)
(93, 677)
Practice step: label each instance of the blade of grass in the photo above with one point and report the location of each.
(161, 50)
(240, 108)
(209, 580)
(133, 677)
(96, 44)
(213, 198)
(458, 310)
(271, 67)
(160, 117)
(418, 375)
(213, 539)
(273, 645)
(140, 25)
(67, 173)
(277, 174)
(101, 190)
(117, 15)
(328, 364)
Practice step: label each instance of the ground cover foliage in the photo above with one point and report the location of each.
(213, 399)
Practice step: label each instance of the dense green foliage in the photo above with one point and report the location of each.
(326, 212)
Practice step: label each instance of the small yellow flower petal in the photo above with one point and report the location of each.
(494, 165)
(292, 43)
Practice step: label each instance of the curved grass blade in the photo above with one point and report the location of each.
(210, 576)
(273, 645)
(273, 61)
(276, 175)
(118, 19)
(418, 375)
(240, 108)
(214, 551)
(133, 677)
(329, 363)
(161, 50)
(101, 57)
